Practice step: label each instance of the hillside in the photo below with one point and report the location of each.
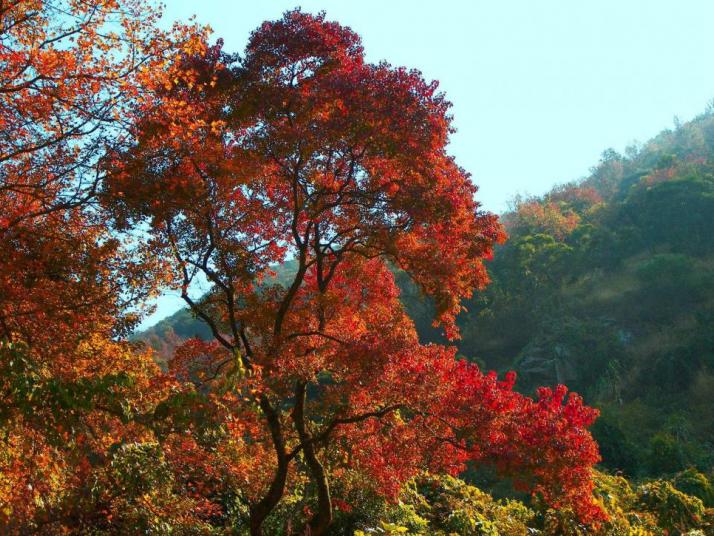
(607, 285)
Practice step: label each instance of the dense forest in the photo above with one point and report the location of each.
(350, 370)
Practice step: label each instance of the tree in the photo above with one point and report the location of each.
(70, 70)
(69, 73)
(301, 149)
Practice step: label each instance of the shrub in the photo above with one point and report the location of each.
(675, 511)
(694, 483)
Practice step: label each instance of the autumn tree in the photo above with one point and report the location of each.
(301, 149)
(70, 73)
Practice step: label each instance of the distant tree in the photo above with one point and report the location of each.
(676, 213)
(605, 178)
(534, 216)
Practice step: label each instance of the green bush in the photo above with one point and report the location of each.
(675, 511)
(694, 483)
(446, 506)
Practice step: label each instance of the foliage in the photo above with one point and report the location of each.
(443, 505)
(144, 159)
(697, 484)
(302, 149)
(675, 511)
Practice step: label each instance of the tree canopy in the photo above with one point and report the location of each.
(302, 149)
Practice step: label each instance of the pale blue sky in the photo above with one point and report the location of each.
(540, 87)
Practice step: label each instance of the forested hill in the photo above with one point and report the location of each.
(607, 285)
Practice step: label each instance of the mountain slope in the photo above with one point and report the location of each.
(607, 285)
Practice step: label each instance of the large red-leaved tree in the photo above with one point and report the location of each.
(300, 150)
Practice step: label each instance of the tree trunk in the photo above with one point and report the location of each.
(261, 510)
(323, 518)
